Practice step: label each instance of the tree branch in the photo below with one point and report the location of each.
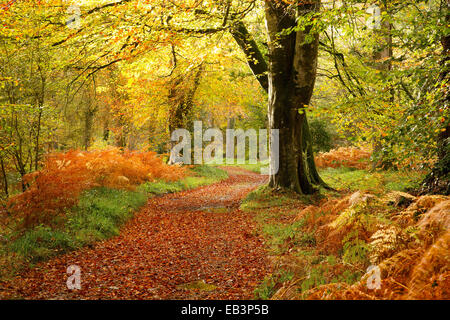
(255, 58)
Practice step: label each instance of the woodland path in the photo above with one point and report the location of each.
(166, 251)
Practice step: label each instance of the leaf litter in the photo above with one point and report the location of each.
(177, 240)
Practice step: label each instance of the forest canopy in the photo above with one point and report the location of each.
(89, 74)
(92, 92)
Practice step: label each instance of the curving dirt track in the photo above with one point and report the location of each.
(195, 244)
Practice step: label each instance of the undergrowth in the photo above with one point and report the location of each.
(98, 215)
(64, 176)
(200, 176)
(271, 284)
(326, 243)
(254, 167)
(350, 179)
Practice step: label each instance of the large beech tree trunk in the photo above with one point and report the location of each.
(292, 75)
(288, 78)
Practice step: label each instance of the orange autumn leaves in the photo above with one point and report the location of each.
(349, 157)
(58, 185)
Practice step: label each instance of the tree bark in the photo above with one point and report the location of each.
(89, 114)
(5, 177)
(438, 180)
(292, 75)
(181, 97)
(289, 80)
(444, 137)
(382, 57)
(255, 59)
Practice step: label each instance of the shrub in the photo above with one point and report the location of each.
(322, 136)
(98, 215)
(64, 176)
(349, 157)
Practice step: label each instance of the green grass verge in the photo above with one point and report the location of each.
(271, 283)
(249, 166)
(265, 197)
(376, 182)
(201, 176)
(99, 215)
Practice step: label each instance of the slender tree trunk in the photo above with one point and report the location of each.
(88, 123)
(231, 122)
(438, 180)
(106, 131)
(382, 57)
(181, 97)
(121, 138)
(383, 51)
(5, 178)
(88, 116)
(38, 136)
(444, 136)
(40, 102)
